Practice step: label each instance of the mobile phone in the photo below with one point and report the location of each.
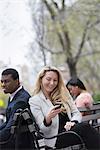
(57, 106)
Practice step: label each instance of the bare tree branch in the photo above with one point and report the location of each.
(82, 41)
(90, 53)
(47, 49)
(93, 24)
(50, 9)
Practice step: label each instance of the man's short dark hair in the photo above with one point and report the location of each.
(14, 73)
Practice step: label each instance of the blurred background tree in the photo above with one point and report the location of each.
(67, 33)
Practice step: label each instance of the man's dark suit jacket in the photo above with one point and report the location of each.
(24, 140)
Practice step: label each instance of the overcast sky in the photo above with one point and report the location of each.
(15, 31)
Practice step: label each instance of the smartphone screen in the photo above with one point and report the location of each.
(58, 106)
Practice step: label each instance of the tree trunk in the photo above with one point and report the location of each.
(72, 67)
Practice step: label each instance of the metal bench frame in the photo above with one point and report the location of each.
(37, 135)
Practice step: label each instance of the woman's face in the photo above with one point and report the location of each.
(74, 90)
(49, 81)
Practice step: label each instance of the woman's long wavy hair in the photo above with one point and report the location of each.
(60, 92)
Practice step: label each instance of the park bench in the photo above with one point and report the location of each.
(38, 137)
(93, 118)
(2, 115)
(92, 115)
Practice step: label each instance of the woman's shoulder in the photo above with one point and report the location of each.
(85, 94)
(34, 98)
(85, 97)
(37, 98)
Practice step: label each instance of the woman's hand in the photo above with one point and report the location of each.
(68, 125)
(52, 113)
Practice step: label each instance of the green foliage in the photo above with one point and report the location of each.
(3, 100)
(96, 97)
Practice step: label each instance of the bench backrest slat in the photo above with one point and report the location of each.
(93, 108)
(91, 117)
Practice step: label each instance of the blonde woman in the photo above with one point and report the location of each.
(49, 93)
